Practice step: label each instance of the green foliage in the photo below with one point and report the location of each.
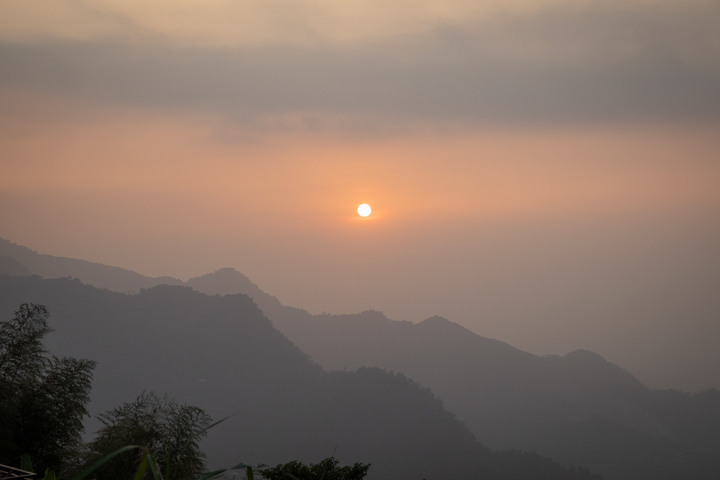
(49, 474)
(326, 469)
(168, 435)
(42, 398)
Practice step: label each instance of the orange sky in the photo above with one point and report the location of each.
(544, 172)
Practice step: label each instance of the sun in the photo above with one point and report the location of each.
(364, 210)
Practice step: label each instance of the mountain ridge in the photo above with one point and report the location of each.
(222, 354)
(512, 399)
(113, 278)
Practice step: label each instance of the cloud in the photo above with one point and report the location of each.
(554, 65)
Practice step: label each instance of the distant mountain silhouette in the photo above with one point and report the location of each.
(578, 408)
(221, 353)
(10, 266)
(102, 276)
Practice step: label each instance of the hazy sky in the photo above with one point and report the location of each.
(543, 172)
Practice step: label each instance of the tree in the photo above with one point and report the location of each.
(42, 397)
(169, 431)
(326, 469)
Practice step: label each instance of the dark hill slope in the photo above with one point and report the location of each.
(222, 354)
(577, 409)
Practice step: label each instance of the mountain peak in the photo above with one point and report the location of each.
(587, 356)
(224, 281)
(227, 273)
(436, 320)
(230, 271)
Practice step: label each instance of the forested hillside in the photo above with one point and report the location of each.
(221, 353)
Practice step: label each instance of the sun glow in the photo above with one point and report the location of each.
(364, 210)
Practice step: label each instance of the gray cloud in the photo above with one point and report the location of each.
(552, 67)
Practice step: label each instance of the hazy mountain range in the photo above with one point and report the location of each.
(219, 351)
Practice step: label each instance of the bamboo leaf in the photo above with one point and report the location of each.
(157, 475)
(49, 474)
(104, 460)
(213, 474)
(239, 466)
(142, 468)
(219, 421)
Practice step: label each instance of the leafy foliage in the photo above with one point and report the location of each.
(42, 398)
(326, 469)
(169, 431)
